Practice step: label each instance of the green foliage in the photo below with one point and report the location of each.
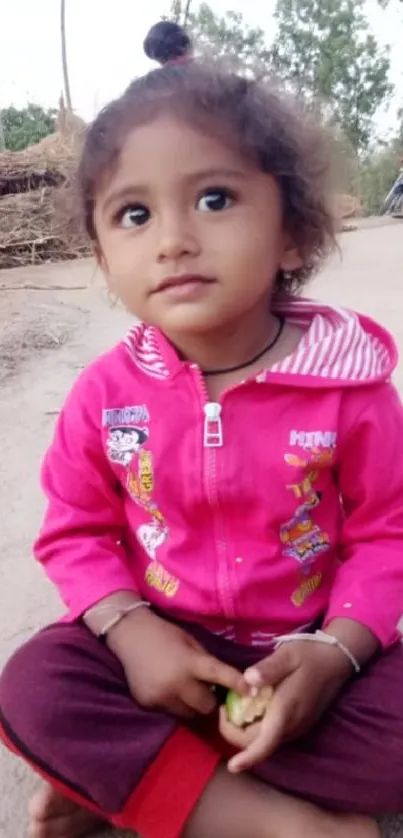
(325, 52)
(176, 12)
(385, 3)
(25, 126)
(379, 170)
(229, 36)
(378, 173)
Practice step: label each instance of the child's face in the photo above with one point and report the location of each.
(190, 234)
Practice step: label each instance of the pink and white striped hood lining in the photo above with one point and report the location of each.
(339, 347)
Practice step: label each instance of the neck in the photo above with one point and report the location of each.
(230, 345)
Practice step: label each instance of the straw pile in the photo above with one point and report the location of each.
(33, 183)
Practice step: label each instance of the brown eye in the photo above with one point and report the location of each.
(215, 200)
(135, 215)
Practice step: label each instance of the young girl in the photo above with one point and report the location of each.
(225, 495)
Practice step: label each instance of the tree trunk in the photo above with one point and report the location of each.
(2, 136)
(186, 13)
(64, 54)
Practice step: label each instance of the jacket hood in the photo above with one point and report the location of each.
(338, 348)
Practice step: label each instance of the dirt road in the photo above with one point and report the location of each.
(46, 337)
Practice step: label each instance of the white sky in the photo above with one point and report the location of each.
(105, 46)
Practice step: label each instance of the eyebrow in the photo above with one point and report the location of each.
(127, 193)
(205, 174)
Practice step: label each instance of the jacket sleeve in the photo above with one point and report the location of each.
(369, 583)
(80, 543)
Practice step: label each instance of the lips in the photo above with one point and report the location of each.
(183, 280)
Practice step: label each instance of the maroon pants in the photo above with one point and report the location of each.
(66, 709)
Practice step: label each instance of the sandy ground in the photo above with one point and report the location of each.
(46, 336)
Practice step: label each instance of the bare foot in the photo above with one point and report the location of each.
(53, 816)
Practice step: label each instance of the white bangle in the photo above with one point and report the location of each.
(320, 637)
(120, 614)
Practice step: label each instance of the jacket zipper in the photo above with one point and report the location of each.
(213, 431)
(213, 439)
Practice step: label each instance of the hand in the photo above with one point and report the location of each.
(166, 668)
(307, 676)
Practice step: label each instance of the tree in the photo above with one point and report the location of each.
(2, 135)
(25, 126)
(65, 67)
(226, 36)
(180, 11)
(377, 175)
(325, 52)
(379, 169)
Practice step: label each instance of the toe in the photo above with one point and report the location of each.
(53, 816)
(48, 803)
(75, 825)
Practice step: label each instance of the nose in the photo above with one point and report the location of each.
(176, 237)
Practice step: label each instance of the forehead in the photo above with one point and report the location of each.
(168, 148)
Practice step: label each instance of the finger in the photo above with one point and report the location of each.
(271, 733)
(238, 737)
(271, 670)
(199, 697)
(212, 671)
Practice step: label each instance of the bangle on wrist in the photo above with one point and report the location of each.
(118, 615)
(321, 637)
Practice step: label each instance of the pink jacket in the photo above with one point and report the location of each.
(252, 517)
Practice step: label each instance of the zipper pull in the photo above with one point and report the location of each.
(213, 435)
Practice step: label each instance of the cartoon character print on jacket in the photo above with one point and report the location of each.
(303, 539)
(123, 442)
(154, 533)
(124, 445)
(151, 536)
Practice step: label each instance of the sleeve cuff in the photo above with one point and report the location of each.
(385, 631)
(77, 607)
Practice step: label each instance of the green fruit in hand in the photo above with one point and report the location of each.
(243, 710)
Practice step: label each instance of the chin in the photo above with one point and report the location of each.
(190, 322)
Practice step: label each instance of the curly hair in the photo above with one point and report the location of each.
(263, 122)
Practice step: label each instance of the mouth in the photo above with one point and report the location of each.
(184, 282)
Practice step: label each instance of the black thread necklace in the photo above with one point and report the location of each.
(281, 324)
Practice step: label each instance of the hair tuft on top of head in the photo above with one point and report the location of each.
(167, 41)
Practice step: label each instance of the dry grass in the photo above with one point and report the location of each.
(37, 329)
(33, 230)
(34, 187)
(48, 162)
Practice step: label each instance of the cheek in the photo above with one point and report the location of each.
(252, 250)
(126, 264)
(123, 252)
(129, 291)
(254, 237)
